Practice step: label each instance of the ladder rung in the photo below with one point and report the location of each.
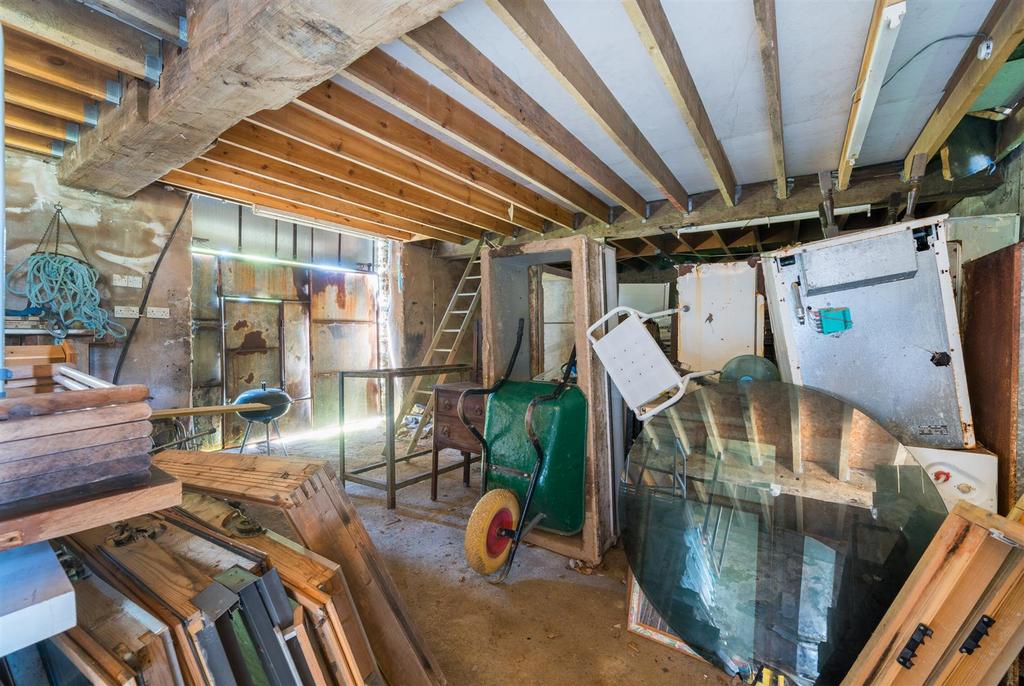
(442, 350)
(450, 330)
(460, 311)
(463, 295)
(473, 276)
(425, 392)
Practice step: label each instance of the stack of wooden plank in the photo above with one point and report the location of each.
(74, 450)
(309, 496)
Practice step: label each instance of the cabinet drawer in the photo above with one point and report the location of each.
(451, 433)
(447, 404)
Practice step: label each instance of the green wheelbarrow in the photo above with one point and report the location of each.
(533, 453)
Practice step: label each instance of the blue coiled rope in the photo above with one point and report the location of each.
(64, 287)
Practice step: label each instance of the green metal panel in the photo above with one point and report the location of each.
(561, 426)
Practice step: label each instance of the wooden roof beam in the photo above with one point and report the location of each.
(651, 23)
(247, 136)
(216, 173)
(86, 33)
(383, 76)
(882, 31)
(58, 67)
(31, 142)
(206, 187)
(343, 107)
(449, 51)
(1005, 26)
(164, 18)
(307, 127)
(24, 119)
(48, 99)
(275, 170)
(540, 31)
(768, 35)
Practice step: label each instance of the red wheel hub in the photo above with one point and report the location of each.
(496, 543)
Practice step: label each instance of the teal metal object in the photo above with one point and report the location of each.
(561, 427)
(834, 320)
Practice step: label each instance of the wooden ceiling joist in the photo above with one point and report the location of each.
(331, 101)
(196, 184)
(447, 49)
(383, 76)
(275, 170)
(164, 18)
(59, 67)
(651, 23)
(1004, 25)
(31, 142)
(309, 128)
(40, 124)
(768, 35)
(48, 99)
(247, 137)
(219, 174)
(87, 33)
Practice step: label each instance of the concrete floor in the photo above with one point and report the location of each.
(547, 625)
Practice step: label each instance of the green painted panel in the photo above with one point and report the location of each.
(561, 426)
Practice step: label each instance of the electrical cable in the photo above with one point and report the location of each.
(928, 45)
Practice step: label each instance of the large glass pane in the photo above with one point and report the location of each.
(772, 525)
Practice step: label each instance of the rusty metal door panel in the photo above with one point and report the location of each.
(251, 325)
(344, 296)
(206, 363)
(202, 397)
(297, 382)
(344, 346)
(205, 303)
(362, 399)
(252, 345)
(250, 280)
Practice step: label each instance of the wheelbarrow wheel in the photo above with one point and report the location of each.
(486, 550)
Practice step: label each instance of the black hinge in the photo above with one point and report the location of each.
(972, 642)
(909, 652)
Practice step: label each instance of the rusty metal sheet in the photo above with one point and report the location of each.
(251, 280)
(202, 397)
(251, 325)
(344, 346)
(344, 296)
(206, 362)
(362, 399)
(205, 301)
(247, 370)
(297, 382)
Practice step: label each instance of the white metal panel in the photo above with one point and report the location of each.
(983, 234)
(721, 315)
(969, 475)
(37, 600)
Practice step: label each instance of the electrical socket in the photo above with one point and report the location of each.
(158, 312)
(985, 49)
(127, 280)
(126, 312)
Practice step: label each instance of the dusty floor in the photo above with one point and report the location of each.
(546, 625)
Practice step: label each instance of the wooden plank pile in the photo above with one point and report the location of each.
(74, 450)
(309, 496)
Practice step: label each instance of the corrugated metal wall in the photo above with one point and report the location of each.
(286, 325)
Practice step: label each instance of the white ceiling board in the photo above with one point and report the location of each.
(720, 44)
(905, 103)
(475, 20)
(440, 133)
(436, 77)
(629, 73)
(820, 49)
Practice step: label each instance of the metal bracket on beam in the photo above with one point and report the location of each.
(737, 195)
(577, 220)
(689, 204)
(154, 65)
(183, 31)
(113, 92)
(91, 113)
(827, 186)
(917, 167)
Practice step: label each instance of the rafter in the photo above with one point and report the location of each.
(59, 67)
(49, 99)
(650, 21)
(307, 127)
(185, 181)
(219, 174)
(33, 143)
(768, 34)
(448, 50)
(165, 18)
(18, 117)
(1005, 26)
(87, 33)
(249, 137)
(337, 104)
(540, 31)
(383, 76)
(270, 168)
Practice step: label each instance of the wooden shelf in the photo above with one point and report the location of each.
(59, 514)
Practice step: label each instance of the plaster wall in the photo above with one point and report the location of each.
(119, 236)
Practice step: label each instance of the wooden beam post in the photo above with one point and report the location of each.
(243, 56)
(768, 34)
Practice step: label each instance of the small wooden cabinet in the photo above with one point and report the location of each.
(450, 432)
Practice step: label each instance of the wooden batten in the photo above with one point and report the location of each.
(51, 100)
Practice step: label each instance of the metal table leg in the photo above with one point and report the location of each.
(389, 424)
(341, 428)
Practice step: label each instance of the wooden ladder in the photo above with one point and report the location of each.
(445, 343)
